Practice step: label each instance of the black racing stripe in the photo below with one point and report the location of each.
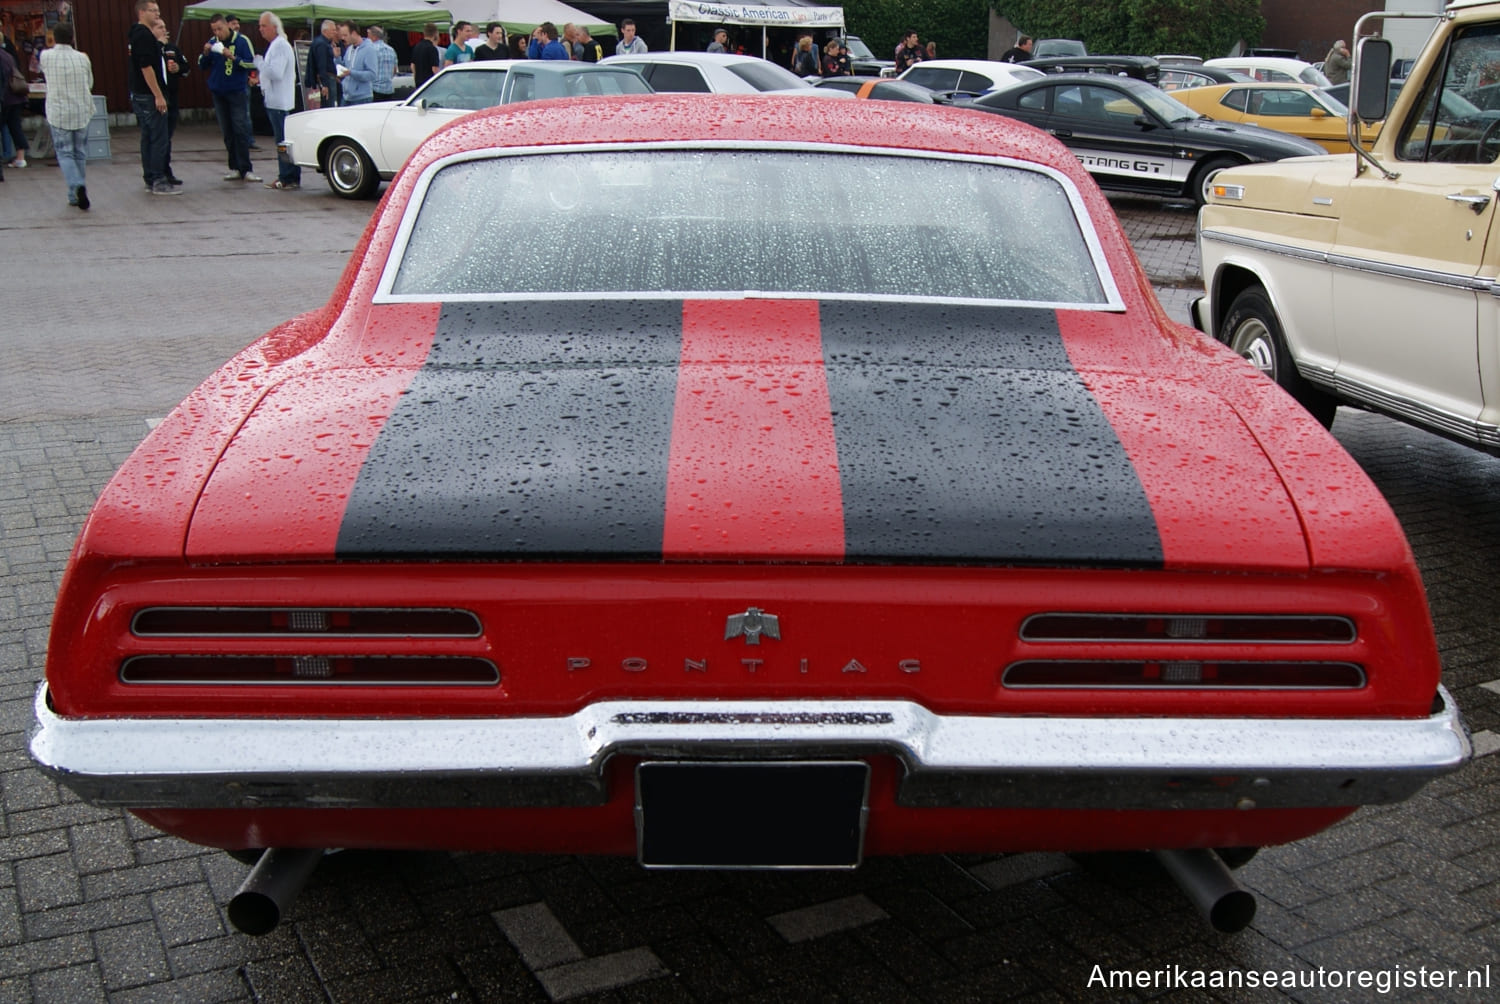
(964, 434)
(536, 429)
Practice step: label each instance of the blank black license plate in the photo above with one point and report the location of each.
(751, 815)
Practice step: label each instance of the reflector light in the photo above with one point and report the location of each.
(306, 670)
(1237, 628)
(333, 622)
(1147, 675)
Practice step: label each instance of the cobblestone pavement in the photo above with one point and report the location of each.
(113, 315)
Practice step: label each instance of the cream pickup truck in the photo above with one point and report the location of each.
(1374, 279)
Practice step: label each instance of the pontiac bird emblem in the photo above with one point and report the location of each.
(752, 624)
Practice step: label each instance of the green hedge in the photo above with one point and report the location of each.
(1206, 28)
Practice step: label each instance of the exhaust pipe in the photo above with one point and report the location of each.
(270, 888)
(1202, 876)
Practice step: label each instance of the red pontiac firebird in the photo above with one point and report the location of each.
(742, 482)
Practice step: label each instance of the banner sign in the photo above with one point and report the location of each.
(774, 17)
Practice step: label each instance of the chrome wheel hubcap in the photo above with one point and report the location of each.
(345, 168)
(1252, 340)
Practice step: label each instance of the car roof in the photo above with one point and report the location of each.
(485, 64)
(979, 65)
(560, 67)
(682, 56)
(1292, 66)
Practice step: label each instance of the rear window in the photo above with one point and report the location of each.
(764, 76)
(671, 222)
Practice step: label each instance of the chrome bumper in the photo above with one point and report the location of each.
(948, 760)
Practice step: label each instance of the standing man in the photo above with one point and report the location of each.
(385, 64)
(458, 50)
(234, 26)
(148, 99)
(322, 66)
(425, 58)
(495, 44)
(70, 105)
(278, 82)
(175, 66)
(911, 52)
(227, 62)
(358, 61)
(1020, 52)
(589, 46)
(544, 43)
(720, 42)
(1337, 63)
(629, 44)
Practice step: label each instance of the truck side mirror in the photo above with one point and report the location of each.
(1372, 76)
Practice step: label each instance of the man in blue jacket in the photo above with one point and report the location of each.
(226, 62)
(544, 43)
(357, 66)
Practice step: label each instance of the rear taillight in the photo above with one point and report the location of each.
(323, 670)
(1143, 674)
(334, 622)
(1223, 628)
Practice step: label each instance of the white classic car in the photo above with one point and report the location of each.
(358, 146)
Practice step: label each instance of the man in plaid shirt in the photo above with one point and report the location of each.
(385, 64)
(70, 105)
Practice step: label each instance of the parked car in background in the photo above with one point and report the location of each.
(1134, 137)
(1044, 47)
(1140, 67)
(608, 508)
(357, 147)
(1299, 109)
(715, 73)
(970, 77)
(1273, 69)
(883, 89)
(1174, 78)
(865, 63)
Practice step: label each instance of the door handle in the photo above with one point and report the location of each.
(1474, 202)
(1062, 132)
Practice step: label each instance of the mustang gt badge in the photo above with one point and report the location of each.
(752, 624)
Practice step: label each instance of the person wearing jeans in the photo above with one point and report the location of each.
(227, 62)
(70, 106)
(148, 98)
(278, 82)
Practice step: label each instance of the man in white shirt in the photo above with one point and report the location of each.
(278, 83)
(70, 105)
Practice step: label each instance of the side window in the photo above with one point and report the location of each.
(1111, 107)
(1286, 103)
(471, 90)
(1035, 101)
(1469, 70)
(679, 79)
(524, 88)
(932, 78)
(1236, 99)
(1068, 101)
(974, 83)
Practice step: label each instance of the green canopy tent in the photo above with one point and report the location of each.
(401, 15)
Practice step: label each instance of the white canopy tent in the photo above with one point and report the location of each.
(524, 15)
(763, 14)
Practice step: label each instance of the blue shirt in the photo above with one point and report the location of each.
(229, 72)
(385, 67)
(359, 84)
(552, 50)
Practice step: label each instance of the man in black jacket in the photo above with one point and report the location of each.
(176, 67)
(425, 57)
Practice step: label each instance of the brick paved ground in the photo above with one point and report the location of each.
(97, 906)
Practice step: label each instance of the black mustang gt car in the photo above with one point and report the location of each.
(1133, 137)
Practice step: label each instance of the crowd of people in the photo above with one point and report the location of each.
(347, 64)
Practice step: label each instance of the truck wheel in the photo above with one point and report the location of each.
(1253, 330)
